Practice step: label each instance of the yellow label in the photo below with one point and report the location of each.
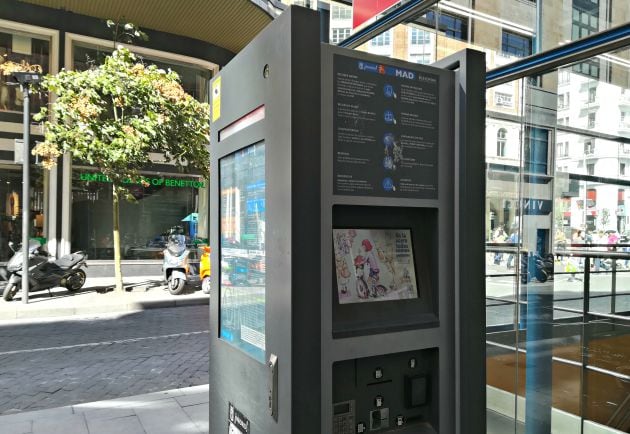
(216, 99)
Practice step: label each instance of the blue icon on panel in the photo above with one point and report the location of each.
(388, 90)
(388, 184)
(388, 140)
(388, 163)
(389, 117)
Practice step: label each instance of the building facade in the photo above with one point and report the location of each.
(70, 205)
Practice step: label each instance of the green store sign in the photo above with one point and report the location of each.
(158, 182)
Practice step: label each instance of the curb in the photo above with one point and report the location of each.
(116, 308)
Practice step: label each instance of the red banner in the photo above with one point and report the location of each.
(363, 10)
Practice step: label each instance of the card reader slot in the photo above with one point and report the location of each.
(376, 383)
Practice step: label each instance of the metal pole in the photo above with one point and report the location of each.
(26, 207)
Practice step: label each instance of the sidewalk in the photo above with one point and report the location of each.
(97, 296)
(167, 412)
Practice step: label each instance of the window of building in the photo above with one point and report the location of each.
(589, 147)
(536, 150)
(452, 25)
(422, 58)
(562, 149)
(503, 99)
(339, 35)
(11, 209)
(21, 47)
(591, 120)
(564, 100)
(564, 76)
(168, 201)
(592, 94)
(419, 37)
(590, 169)
(515, 45)
(585, 21)
(501, 142)
(194, 80)
(339, 12)
(171, 199)
(622, 169)
(382, 40)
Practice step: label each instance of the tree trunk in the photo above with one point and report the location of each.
(116, 229)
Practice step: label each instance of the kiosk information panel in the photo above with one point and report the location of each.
(242, 281)
(386, 121)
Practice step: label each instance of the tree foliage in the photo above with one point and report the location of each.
(115, 115)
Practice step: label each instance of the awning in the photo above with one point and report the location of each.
(230, 24)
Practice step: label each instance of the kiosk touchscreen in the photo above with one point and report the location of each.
(340, 200)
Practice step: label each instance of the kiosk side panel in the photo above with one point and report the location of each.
(251, 367)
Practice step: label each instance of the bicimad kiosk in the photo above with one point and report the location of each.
(347, 195)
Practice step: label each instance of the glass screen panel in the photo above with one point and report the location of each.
(242, 279)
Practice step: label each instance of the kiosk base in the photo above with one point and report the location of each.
(391, 393)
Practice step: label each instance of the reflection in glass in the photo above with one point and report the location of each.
(166, 202)
(242, 238)
(19, 47)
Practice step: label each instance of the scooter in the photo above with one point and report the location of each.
(176, 267)
(43, 273)
(205, 270)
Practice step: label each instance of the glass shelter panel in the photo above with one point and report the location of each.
(558, 314)
(242, 278)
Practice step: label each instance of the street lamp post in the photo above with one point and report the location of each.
(26, 80)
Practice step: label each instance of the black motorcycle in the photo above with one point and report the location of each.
(43, 273)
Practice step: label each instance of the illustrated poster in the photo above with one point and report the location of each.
(374, 265)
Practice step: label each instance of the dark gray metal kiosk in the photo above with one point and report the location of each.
(347, 196)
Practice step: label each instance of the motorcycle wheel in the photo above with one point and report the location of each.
(75, 281)
(9, 292)
(175, 286)
(205, 285)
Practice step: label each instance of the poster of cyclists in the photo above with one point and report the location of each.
(374, 265)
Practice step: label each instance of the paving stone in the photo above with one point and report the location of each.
(165, 418)
(145, 361)
(17, 428)
(74, 424)
(199, 415)
(123, 425)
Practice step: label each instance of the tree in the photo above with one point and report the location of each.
(113, 116)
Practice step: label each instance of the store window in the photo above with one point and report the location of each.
(22, 47)
(194, 80)
(170, 200)
(11, 206)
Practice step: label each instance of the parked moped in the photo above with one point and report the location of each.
(205, 270)
(44, 273)
(177, 267)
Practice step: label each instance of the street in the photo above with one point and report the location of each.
(67, 361)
